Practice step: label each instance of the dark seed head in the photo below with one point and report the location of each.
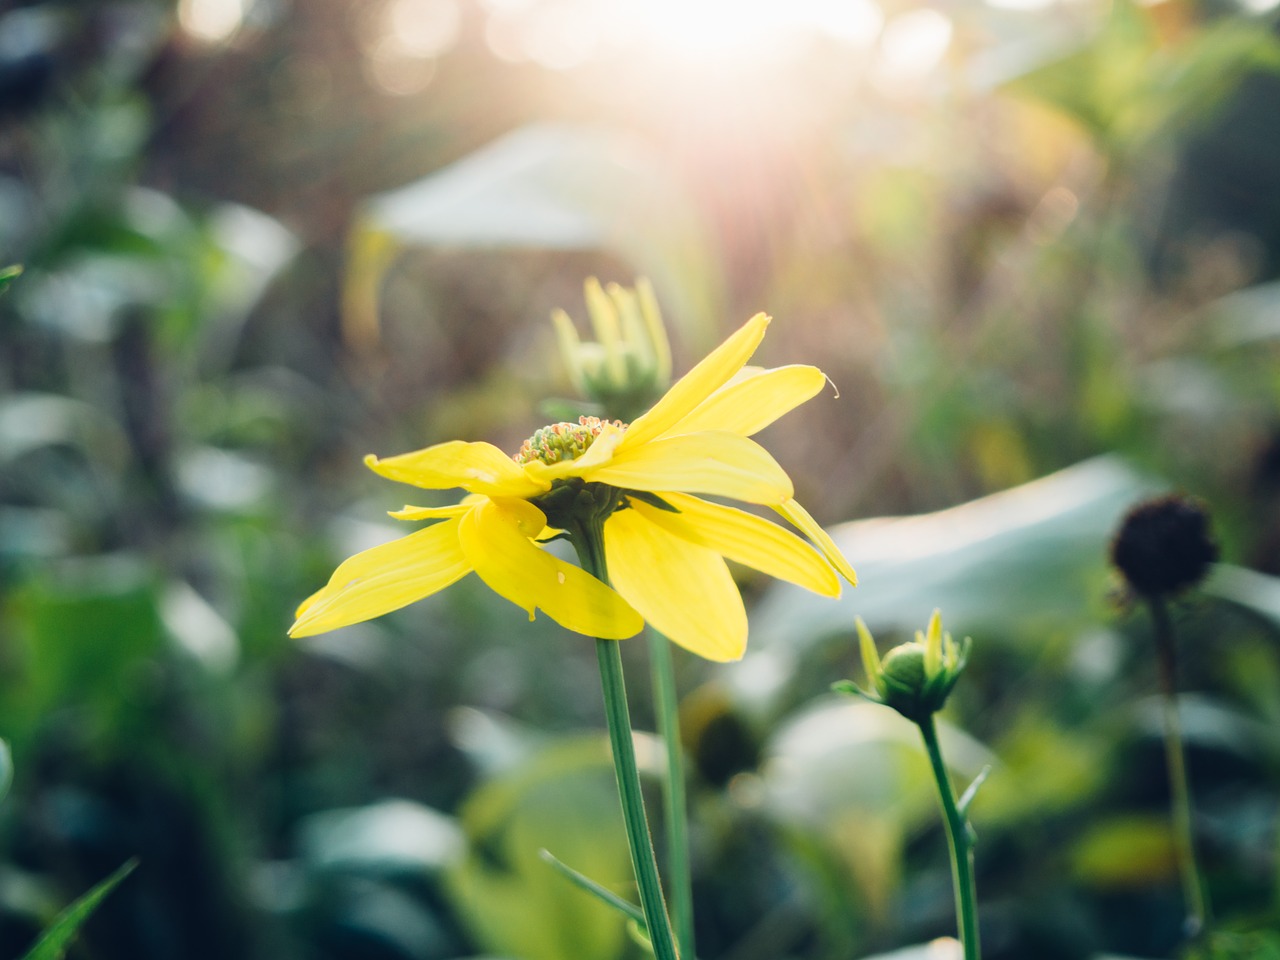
(1164, 545)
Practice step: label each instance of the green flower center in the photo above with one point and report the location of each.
(563, 441)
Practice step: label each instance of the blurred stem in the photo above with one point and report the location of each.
(960, 840)
(1175, 759)
(666, 706)
(589, 543)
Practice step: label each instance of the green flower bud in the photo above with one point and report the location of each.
(903, 667)
(628, 367)
(915, 678)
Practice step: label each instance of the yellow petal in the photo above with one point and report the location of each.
(477, 467)
(683, 589)
(747, 539)
(720, 464)
(799, 517)
(385, 578)
(750, 404)
(430, 513)
(495, 539)
(711, 374)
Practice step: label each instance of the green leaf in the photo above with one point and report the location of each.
(562, 797)
(972, 791)
(8, 275)
(6, 769)
(604, 895)
(1020, 565)
(386, 839)
(851, 779)
(53, 943)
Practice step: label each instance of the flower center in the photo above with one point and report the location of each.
(563, 441)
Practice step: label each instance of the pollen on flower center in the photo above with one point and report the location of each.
(563, 441)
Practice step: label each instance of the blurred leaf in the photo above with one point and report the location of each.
(85, 635)
(549, 187)
(1249, 589)
(493, 742)
(1046, 770)
(944, 948)
(8, 275)
(223, 479)
(607, 897)
(1247, 317)
(54, 942)
(29, 421)
(1128, 82)
(390, 837)
(1094, 85)
(1211, 724)
(198, 628)
(33, 532)
(562, 799)
(1130, 851)
(1260, 943)
(377, 919)
(857, 775)
(6, 769)
(1021, 562)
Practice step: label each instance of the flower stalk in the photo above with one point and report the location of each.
(960, 841)
(915, 679)
(1175, 760)
(624, 371)
(1163, 547)
(675, 808)
(588, 540)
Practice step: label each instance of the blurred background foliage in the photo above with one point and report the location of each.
(1036, 245)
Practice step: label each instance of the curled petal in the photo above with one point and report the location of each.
(713, 372)
(749, 404)
(476, 467)
(810, 527)
(385, 578)
(747, 539)
(720, 464)
(683, 589)
(495, 540)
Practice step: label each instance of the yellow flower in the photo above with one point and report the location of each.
(631, 487)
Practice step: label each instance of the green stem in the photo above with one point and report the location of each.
(679, 875)
(590, 546)
(1175, 759)
(960, 840)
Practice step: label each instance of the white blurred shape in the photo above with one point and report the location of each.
(397, 74)
(561, 37)
(199, 629)
(423, 28)
(855, 21)
(221, 479)
(211, 21)
(911, 47)
(1022, 5)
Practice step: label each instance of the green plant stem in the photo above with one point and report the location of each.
(675, 817)
(960, 840)
(1175, 759)
(589, 543)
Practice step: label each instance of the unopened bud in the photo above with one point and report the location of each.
(628, 366)
(915, 678)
